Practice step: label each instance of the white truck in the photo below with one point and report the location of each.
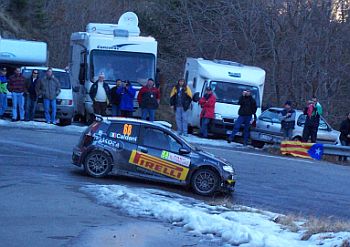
(228, 80)
(118, 51)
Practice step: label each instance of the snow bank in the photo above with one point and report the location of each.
(211, 142)
(231, 227)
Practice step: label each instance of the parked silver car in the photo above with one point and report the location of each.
(268, 129)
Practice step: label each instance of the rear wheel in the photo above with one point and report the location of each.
(258, 144)
(297, 138)
(98, 164)
(205, 182)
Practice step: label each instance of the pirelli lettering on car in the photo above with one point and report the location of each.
(158, 165)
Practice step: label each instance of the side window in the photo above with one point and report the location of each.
(186, 77)
(158, 139)
(194, 83)
(301, 120)
(323, 125)
(205, 85)
(124, 132)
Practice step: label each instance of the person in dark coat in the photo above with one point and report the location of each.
(313, 113)
(246, 112)
(115, 99)
(127, 93)
(180, 101)
(100, 95)
(287, 117)
(17, 86)
(207, 102)
(33, 91)
(149, 98)
(345, 134)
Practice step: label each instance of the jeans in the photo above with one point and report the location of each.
(148, 112)
(242, 120)
(343, 158)
(287, 134)
(116, 110)
(3, 103)
(204, 127)
(17, 101)
(30, 108)
(181, 120)
(47, 103)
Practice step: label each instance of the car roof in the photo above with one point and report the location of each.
(281, 109)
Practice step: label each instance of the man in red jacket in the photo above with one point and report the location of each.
(207, 102)
(148, 98)
(17, 86)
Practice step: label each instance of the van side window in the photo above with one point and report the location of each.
(194, 82)
(186, 77)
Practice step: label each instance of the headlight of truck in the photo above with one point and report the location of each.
(218, 116)
(228, 169)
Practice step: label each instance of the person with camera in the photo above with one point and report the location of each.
(246, 112)
(127, 95)
(207, 102)
(287, 117)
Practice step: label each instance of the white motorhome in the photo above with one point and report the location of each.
(118, 50)
(228, 80)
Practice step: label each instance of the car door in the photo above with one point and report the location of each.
(123, 137)
(158, 155)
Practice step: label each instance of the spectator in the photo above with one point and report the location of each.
(180, 101)
(207, 102)
(148, 98)
(115, 99)
(313, 113)
(246, 111)
(49, 88)
(3, 92)
(287, 117)
(345, 134)
(32, 85)
(127, 93)
(17, 87)
(100, 94)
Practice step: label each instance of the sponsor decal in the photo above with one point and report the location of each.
(126, 135)
(158, 165)
(176, 158)
(113, 135)
(108, 142)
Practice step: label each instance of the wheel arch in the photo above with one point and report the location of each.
(203, 166)
(93, 149)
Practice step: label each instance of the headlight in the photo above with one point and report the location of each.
(228, 169)
(218, 116)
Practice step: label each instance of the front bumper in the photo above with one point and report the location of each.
(221, 127)
(228, 183)
(77, 157)
(65, 111)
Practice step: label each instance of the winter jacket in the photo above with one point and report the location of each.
(3, 84)
(148, 97)
(287, 122)
(314, 119)
(185, 97)
(127, 98)
(247, 107)
(17, 84)
(93, 91)
(345, 130)
(33, 88)
(49, 87)
(207, 102)
(115, 97)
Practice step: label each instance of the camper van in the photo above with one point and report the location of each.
(118, 51)
(228, 80)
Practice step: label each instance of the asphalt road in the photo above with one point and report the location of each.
(41, 204)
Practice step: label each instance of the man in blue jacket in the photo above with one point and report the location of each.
(127, 93)
(3, 92)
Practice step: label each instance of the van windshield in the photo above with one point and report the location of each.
(132, 66)
(62, 77)
(229, 93)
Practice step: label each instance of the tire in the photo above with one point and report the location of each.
(190, 129)
(258, 144)
(297, 138)
(205, 182)
(65, 121)
(98, 164)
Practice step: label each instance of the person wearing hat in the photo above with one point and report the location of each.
(246, 110)
(127, 93)
(149, 98)
(3, 92)
(287, 117)
(207, 102)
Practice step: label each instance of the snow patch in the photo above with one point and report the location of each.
(231, 227)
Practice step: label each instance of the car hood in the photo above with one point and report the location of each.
(213, 158)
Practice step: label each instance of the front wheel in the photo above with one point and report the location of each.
(98, 164)
(205, 182)
(258, 144)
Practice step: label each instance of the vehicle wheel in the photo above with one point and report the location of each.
(98, 164)
(258, 144)
(205, 182)
(65, 121)
(297, 138)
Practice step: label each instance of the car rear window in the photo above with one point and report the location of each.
(271, 115)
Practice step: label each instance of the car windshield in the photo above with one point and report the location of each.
(63, 77)
(132, 66)
(229, 93)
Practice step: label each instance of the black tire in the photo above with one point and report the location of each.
(65, 121)
(297, 138)
(190, 129)
(98, 164)
(258, 144)
(205, 182)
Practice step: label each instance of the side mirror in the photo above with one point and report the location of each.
(184, 151)
(76, 89)
(195, 97)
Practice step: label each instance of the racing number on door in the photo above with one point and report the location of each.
(127, 129)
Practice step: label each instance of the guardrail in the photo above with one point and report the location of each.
(329, 149)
